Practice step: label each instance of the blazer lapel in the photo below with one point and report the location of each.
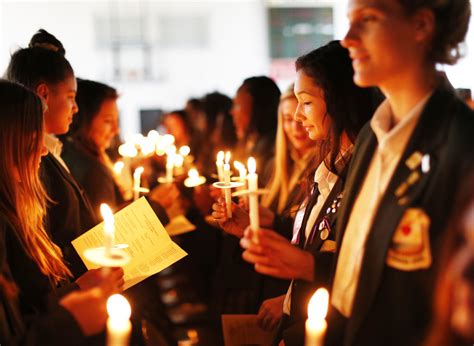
(427, 136)
(362, 155)
(327, 215)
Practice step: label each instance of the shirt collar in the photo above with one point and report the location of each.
(393, 139)
(53, 144)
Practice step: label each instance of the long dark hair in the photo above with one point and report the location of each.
(265, 100)
(348, 106)
(42, 62)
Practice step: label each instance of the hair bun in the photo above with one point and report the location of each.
(45, 40)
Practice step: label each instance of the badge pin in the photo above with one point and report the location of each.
(425, 164)
(324, 234)
(414, 160)
(321, 225)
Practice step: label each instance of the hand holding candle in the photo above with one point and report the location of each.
(316, 324)
(118, 323)
(252, 180)
(227, 192)
(109, 228)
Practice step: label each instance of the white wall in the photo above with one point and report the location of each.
(238, 46)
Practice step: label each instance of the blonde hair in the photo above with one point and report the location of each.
(279, 185)
(23, 202)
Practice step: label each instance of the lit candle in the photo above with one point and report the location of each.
(252, 180)
(118, 167)
(316, 324)
(242, 171)
(109, 228)
(220, 165)
(118, 323)
(178, 164)
(184, 150)
(228, 192)
(169, 168)
(136, 182)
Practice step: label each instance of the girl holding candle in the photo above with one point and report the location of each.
(295, 157)
(333, 110)
(43, 69)
(31, 265)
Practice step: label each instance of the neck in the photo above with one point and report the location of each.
(403, 92)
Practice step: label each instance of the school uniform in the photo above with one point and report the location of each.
(397, 202)
(69, 213)
(315, 234)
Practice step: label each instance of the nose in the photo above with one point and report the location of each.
(350, 37)
(299, 116)
(75, 107)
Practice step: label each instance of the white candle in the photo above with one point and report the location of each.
(193, 175)
(220, 165)
(316, 324)
(118, 323)
(109, 228)
(228, 192)
(178, 164)
(169, 168)
(136, 182)
(252, 180)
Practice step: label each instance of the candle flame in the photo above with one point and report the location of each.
(118, 307)
(118, 167)
(184, 150)
(153, 135)
(227, 157)
(252, 165)
(238, 165)
(318, 305)
(193, 173)
(127, 150)
(168, 139)
(220, 156)
(170, 150)
(178, 160)
(108, 217)
(138, 171)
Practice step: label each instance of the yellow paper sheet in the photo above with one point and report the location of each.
(179, 225)
(244, 330)
(150, 246)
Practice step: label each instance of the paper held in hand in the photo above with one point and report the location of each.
(150, 246)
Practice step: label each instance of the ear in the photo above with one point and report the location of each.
(43, 91)
(424, 25)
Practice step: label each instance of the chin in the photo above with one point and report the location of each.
(363, 80)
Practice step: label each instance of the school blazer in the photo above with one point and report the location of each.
(321, 238)
(69, 213)
(393, 299)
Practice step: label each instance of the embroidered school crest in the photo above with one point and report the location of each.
(410, 248)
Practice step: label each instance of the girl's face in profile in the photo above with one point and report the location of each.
(461, 276)
(311, 111)
(242, 112)
(293, 129)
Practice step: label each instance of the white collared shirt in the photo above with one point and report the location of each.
(391, 144)
(55, 147)
(325, 181)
